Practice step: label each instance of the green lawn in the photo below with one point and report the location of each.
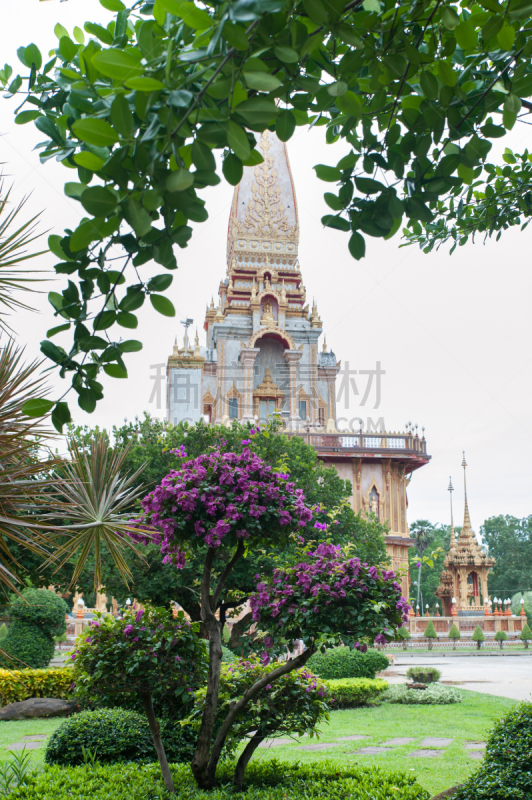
(470, 720)
(11, 732)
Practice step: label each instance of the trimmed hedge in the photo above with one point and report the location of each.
(342, 662)
(434, 695)
(270, 780)
(16, 685)
(351, 692)
(506, 772)
(116, 735)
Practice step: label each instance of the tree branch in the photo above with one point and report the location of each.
(249, 694)
(239, 552)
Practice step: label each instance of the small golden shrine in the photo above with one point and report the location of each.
(466, 567)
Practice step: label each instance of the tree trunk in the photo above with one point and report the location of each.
(430, 644)
(526, 644)
(200, 763)
(478, 645)
(157, 741)
(454, 644)
(500, 644)
(244, 759)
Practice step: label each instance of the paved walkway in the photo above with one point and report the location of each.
(504, 676)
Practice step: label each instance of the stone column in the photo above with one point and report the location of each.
(483, 579)
(247, 359)
(292, 358)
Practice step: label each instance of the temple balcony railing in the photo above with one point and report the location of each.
(383, 444)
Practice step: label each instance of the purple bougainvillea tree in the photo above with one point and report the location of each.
(226, 505)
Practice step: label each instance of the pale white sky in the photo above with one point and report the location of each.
(452, 333)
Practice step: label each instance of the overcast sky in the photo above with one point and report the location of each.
(451, 333)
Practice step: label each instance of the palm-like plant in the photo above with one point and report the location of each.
(24, 472)
(92, 506)
(13, 251)
(60, 511)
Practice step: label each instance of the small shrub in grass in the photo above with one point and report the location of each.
(526, 635)
(343, 662)
(478, 636)
(351, 692)
(424, 674)
(501, 637)
(454, 634)
(506, 772)
(270, 780)
(114, 735)
(435, 694)
(403, 636)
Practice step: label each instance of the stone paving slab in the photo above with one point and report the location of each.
(399, 740)
(373, 751)
(22, 745)
(475, 746)
(318, 746)
(436, 741)
(425, 754)
(275, 742)
(353, 738)
(39, 737)
(476, 754)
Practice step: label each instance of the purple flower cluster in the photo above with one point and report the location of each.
(322, 583)
(216, 495)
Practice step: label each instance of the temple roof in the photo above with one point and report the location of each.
(262, 242)
(465, 550)
(263, 217)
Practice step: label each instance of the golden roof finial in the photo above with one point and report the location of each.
(451, 490)
(325, 345)
(197, 345)
(467, 521)
(211, 307)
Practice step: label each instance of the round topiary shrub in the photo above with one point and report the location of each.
(114, 735)
(228, 657)
(37, 616)
(342, 662)
(506, 772)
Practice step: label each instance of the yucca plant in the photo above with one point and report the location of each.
(91, 508)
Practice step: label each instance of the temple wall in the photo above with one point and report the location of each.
(185, 395)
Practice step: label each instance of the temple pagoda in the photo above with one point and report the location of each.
(262, 354)
(465, 569)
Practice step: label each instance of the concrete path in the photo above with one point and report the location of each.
(504, 676)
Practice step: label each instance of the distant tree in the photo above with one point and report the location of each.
(509, 542)
(430, 633)
(478, 636)
(428, 537)
(152, 443)
(526, 635)
(527, 604)
(455, 634)
(501, 637)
